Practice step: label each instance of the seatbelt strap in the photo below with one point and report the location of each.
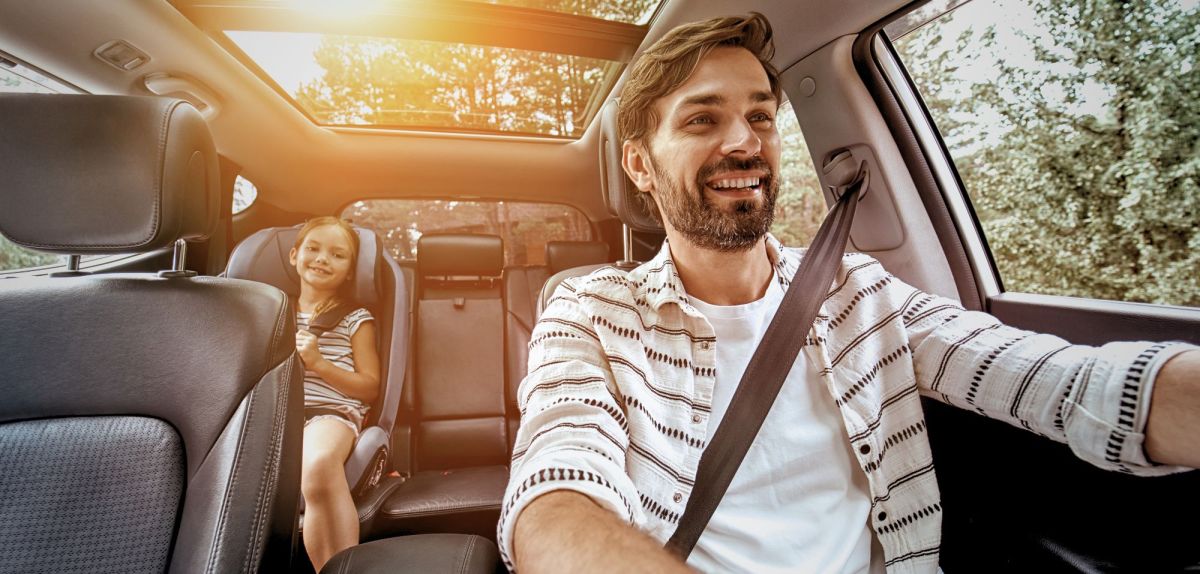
(328, 319)
(768, 368)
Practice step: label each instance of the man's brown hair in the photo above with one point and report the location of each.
(670, 61)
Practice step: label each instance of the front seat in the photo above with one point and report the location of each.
(150, 422)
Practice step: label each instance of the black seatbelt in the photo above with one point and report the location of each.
(328, 319)
(768, 368)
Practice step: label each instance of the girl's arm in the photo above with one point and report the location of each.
(363, 382)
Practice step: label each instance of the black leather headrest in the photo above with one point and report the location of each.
(263, 257)
(567, 254)
(105, 174)
(619, 192)
(449, 254)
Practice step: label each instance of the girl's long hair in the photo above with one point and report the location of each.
(322, 221)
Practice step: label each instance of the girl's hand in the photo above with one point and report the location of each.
(306, 346)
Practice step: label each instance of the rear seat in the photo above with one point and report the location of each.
(459, 440)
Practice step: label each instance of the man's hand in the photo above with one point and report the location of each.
(1173, 429)
(306, 346)
(564, 531)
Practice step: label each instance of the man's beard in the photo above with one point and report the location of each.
(693, 214)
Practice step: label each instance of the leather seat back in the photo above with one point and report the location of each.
(149, 422)
(460, 352)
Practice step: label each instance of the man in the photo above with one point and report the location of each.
(630, 373)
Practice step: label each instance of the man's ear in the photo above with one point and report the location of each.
(636, 161)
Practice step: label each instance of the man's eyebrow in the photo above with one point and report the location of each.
(759, 97)
(703, 100)
(717, 99)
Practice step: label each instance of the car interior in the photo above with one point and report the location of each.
(159, 156)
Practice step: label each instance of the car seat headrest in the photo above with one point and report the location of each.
(619, 192)
(105, 174)
(263, 257)
(567, 254)
(460, 254)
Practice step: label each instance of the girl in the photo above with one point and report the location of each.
(341, 375)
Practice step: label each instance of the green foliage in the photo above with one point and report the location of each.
(1082, 159)
(14, 257)
(800, 207)
(391, 82)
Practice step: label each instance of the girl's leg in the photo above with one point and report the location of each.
(330, 518)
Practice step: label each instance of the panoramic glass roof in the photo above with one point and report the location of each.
(343, 80)
(630, 11)
(516, 67)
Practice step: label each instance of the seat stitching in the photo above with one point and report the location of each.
(233, 479)
(462, 566)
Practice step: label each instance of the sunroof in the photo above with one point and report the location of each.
(341, 80)
(629, 11)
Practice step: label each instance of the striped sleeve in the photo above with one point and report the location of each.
(573, 433)
(1094, 399)
(355, 320)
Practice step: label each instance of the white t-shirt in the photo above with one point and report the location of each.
(798, 503)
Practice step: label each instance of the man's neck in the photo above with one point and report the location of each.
(721, 277)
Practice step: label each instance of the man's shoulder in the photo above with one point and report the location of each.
(607, 280)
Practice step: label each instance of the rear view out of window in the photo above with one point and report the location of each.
(1075, 127)
(524, 227)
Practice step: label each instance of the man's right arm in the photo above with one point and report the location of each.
(564, 531)
(571, 445)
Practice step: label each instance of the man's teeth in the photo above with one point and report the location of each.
(737, 183)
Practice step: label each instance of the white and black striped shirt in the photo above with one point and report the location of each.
(334, 345)
(621, 372)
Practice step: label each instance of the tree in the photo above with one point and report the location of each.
(1084, 166)
(14, 257)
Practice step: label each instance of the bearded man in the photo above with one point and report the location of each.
(631, 372)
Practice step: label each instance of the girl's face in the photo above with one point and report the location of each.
(323, 259)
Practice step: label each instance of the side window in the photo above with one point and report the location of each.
(800, 207)
(244, 194)
(525, 227)
(1074, 127)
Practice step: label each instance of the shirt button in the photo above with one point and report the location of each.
(865, 449)
(705, 345)
(678, 497)
(696, 419)
(882, 516)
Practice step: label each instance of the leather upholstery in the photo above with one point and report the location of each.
(464, 501)
(619, 191)
(567, 254)
(460, 254)
(458, 400)
(428, 554)
(212, 358)
(105, 174)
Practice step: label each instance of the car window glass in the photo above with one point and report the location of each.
(1074, 127)
(801, 205)
(525, 227)
(244, 194)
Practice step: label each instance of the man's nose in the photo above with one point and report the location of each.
(741, 139)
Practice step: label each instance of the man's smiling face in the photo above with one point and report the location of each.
(713, 158)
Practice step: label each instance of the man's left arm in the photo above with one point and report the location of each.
(1173, 426)
(1101, 401)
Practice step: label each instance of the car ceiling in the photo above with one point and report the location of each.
(301, 167)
